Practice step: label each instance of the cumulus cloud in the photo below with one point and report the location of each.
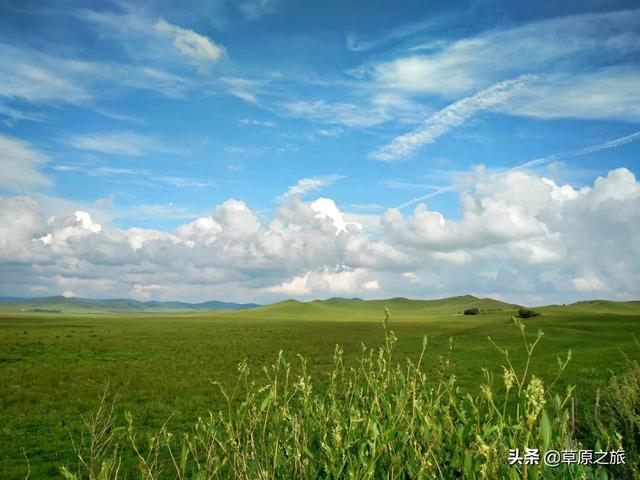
(327, 208)
(327, 282)
(519, 236)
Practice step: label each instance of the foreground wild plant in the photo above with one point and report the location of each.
(379, 419)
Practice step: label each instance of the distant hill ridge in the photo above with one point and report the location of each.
(70, 304)
(61, 304)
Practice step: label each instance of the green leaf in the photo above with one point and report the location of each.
(468, 465)
(266, 401)
(183, 458)
(545, 427)
(67, 475)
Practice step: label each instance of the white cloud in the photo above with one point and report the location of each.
(156, 57)
(105, 201)
(329, 132)
(355, 44)
(464, 180)
(584, 67)
(85, 221)
(13, 115)
(189, 43)
(260, 123)
(20, 165)
(327, 282)
(243, 88)
(371, 285)
(254, 9)
(140, 34)
(121, 143)
(607, 93)
(347, 114)
(327, 208)
(35, 77)
(306, 185)
(476, 62)
(41, 78)
(519, 236)
(449, 118)
(182, 182)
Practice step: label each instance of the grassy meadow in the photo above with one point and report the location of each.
(55, 366)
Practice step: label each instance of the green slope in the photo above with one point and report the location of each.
(401, 308)
(59, 304)
(330, 309)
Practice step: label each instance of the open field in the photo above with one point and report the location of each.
(53, 367)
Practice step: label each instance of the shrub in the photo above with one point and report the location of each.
(380, 419)
(526, 313)
(471, 311)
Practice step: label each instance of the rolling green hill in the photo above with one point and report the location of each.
(335, 308)
(366, 310)
(60, 304)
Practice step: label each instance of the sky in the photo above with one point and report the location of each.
(257, 150)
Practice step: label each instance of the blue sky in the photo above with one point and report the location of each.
(152, 116)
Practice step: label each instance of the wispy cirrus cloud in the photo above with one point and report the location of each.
(399, 184)
(312, 184)
(547, 45)
(41, 78)
(253, 122)
(38, 78)
(617, 142)
(347, 114)
(356, 44)
(138, 175)
(122, 143)
(609, 93)
(134, 26)
(20, 165)
(254, 9)
(12, 115)
(243, 88)
(189, 43)
(449, 118)
(155, 56)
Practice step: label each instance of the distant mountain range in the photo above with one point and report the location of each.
(60, 304)
(74, 304)
(329, 308)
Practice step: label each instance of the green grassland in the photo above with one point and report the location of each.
(54, 366)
